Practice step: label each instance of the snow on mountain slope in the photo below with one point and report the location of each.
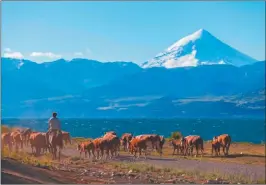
(199, 48)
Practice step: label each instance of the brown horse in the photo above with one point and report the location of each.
(189, 142)
(37, 141)
(66, 137)
(125, 139)
(176, 143)
(26, 136)
(224, 141)
(7, 140)
(16, 139)
(55, 140)
(215, 147)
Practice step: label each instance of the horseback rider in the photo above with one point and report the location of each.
(54, 126)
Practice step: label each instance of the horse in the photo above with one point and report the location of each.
(26, 136)
(55, 140)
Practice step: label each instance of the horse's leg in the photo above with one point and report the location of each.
(107, 153)
(16, 146)
(224, 150)
(21, 145)
(197, 150)
(161, 150)
(97, 154)
(59, 154)
(93, 153)
(112, 152)
(139, 149)
(3, 145)
(52, 151)
(102, 153)
(117, 151)
(37, 151)
(9, 147)
(89, 153)
(145, 153)
(55, 151)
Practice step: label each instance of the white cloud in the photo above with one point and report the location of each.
(45, 54)
(8, 53)
(78, 54)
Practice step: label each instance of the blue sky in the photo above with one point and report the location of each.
(127, 31)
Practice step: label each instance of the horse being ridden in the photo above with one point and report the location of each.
(54, 135)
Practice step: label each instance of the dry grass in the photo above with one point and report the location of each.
(193, 175)
(80, 139)
(5, 129)
(26, 158)
(23, 156)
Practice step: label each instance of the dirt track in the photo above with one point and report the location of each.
(253, 171)
(15, 172)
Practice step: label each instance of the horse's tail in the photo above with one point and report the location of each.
(229, 140)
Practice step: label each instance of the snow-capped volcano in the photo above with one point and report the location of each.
(199, 48)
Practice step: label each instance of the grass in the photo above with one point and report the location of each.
(26, 158)
(80, 139)
(193, 174)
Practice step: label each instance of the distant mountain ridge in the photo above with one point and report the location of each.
(59, 78)
(88, 88)
(199, 48)
(198, 76)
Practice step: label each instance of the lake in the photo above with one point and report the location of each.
(241, 130)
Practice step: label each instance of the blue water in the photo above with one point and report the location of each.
(244, 130)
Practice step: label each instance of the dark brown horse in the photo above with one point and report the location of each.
(55, 140)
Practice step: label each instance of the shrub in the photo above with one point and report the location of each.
(176, 135)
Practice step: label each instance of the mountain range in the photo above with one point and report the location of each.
(221, 83)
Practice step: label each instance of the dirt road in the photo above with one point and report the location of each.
(13, 172)
(252, 171)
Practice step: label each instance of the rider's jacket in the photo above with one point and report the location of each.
(54, 124)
